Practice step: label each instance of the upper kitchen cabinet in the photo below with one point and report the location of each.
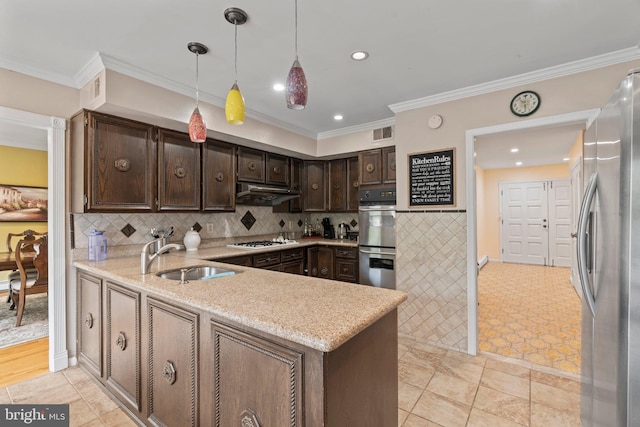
(277, 170)
(218, 176)
(111, 155)
(337, 185)
(353, 184)
(251, 165)
(377, 166)
(314, 188)
(296, 171)
(389, 165)
(178, 172)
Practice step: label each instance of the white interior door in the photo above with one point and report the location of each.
(560, 245)
(525, 237)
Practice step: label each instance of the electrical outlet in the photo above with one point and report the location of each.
(209, 228)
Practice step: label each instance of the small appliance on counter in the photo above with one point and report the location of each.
(329, 232)
(343, 230)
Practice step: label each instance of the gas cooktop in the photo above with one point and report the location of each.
(259, 244)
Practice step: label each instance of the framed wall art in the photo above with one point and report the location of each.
(432, 178)
(23, 204)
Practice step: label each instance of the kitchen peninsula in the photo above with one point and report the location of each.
(259, 348)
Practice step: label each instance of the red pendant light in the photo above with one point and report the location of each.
(297, 90)
(197, 127)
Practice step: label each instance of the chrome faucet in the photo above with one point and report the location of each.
(146, 259)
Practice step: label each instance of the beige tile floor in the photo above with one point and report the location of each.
(436, 387)
(530, 312)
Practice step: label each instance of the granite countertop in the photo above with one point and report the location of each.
(318, 313)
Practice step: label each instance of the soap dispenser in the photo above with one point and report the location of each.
(97, 246)
(191, 240)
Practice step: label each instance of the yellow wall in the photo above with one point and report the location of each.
(23, 167)
(489, 228)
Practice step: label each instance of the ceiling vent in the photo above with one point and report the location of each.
(382, 134)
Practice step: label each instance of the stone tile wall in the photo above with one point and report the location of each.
(431, 269)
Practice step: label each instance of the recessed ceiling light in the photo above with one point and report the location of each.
(518, 163)
(279, 87)
(566, 159)
(359, 55)
(338, 117)
(514, 150)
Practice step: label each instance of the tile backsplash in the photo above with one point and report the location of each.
(135, 228)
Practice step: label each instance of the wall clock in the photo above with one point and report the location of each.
(525, 103)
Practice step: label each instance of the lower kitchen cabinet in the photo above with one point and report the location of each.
(89, 328)
(122, 349)
(347, 264)
(334, 263)
(173, 392)
(257, 382)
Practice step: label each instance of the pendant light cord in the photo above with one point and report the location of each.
(197, 77)
(235, 27)
(296, 32)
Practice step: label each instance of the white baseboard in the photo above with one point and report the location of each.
(483, 261)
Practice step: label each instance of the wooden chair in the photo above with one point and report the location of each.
(28, 286)
(14, 276)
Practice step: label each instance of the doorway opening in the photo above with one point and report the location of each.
(582, 118)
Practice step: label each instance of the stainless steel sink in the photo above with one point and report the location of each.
(199, 272)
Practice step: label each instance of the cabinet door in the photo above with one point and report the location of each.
(173, 365)
(370, 167)
(123, 344)
(256, 382)
(295, 205)
(353, 184)
(388, 165)
(218, 176)
(120, 165)
(293, 267)
(337, 185)
(312, 261)
(251, 165)
(347, 264)
(277, 170)
(90, 323)
(325, 263)
(178, 172)
(314, 186)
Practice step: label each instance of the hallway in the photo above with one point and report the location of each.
(530, 312)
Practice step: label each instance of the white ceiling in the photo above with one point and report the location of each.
(16, 135)
(419, 49)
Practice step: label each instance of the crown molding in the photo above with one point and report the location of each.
(10, 64)
(569, 68)
(357, 128)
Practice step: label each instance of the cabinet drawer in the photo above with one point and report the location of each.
(346, 270)
(265, 260)
(351, 253)
(293, 267)
(292, 254)
(236, 260)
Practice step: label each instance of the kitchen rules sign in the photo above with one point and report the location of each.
(431, 178)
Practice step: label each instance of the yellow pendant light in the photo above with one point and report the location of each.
(234, 108)
(197, 127)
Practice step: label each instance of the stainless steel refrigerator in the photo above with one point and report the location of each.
(608, 241)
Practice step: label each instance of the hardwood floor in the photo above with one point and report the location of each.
(24, 361)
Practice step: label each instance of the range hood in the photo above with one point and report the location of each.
(260, 195)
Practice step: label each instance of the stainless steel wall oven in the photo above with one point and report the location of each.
(377, 239)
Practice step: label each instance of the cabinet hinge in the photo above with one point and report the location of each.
(156, 201)
(502, 250)
(550, 185)
(85, 200)
(86, 121)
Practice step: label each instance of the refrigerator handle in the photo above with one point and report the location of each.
(584, 244)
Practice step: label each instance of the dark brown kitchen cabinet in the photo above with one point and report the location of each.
(90, 323)
(388, 165)
(370, 167)
(122, 348)
(292, 261)
(320, 262)
(245, 260)
(251, 165)
(118, 168)
(353, 184)
(267, 259)
(173, 367)
(178, 172)
(346, 264)
(277, 170)
(256, 382)
(296, 171)
(377, 166)
(314, 186)
(218, 176)
(337, 185)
